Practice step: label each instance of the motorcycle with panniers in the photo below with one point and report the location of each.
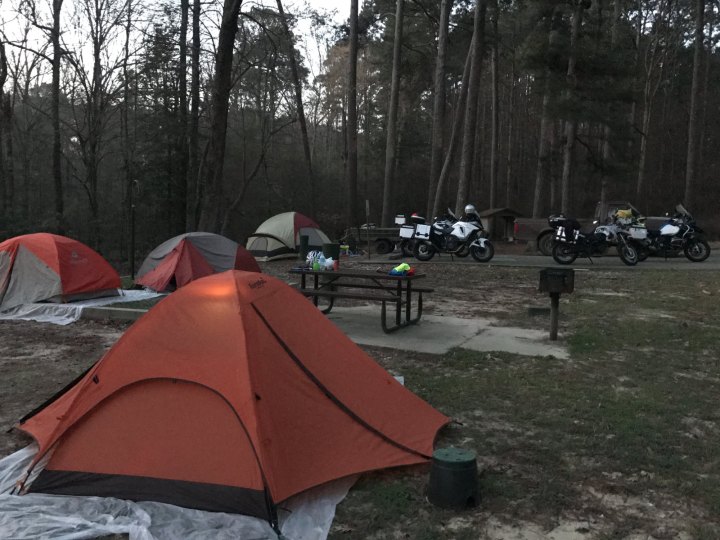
(570, 242)
(678, 235)
(458, 237)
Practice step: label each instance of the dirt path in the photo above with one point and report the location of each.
(39, 359)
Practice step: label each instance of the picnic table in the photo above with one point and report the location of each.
(366, 285)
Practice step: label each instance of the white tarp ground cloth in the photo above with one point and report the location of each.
(307, 516)
(63, 314)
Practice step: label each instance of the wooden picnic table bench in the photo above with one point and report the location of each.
(366, 285)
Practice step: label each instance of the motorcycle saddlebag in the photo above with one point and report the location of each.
(559, 220)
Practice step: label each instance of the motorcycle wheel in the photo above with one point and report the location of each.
(482, 254)
(564, 253)
(545, 243)
(424, 251)
(697, 250)
(383, 246)
(628, 254)
(406, 247)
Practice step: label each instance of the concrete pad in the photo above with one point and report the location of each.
(433, 334)
(516, 340)
(437, 335)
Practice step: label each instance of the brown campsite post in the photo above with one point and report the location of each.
(556, 281)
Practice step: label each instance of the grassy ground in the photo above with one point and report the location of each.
(620, 441)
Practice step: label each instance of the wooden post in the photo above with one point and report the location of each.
(554, 312)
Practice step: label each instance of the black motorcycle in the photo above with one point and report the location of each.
(570, 242)
(680, 234)
(458, 237)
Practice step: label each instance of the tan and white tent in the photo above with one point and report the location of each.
(279, 236)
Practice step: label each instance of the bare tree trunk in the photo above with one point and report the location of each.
(607, 132)
(706, 81)
(656, 60)
(181, 223)
(570, 125)
(127, 146)
(391, 140)
(510, 133)
(55, 118)
(5, 126)
(213, 210)
(557, 126)
(468, 146)
(193, 182)
(542, 173)
(438, 138)
(352, 134)
(495, 139)
(458, 122)
(300, 107)
(92, 161)
(479, 154)
(695, 121)
(636, 42)
(7, 113)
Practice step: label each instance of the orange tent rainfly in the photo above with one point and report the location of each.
(187, 257)
(230, 395)
(47, 267)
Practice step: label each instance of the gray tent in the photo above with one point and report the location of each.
(184, 258)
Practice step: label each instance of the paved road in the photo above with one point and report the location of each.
(539, 261)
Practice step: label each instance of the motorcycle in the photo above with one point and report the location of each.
(407, 234)
(570, 243)
(448, 234)
(678, 235)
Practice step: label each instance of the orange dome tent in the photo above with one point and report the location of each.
(184, 258)
(232, 394)
(47, 267)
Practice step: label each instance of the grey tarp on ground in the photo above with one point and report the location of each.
(64, 314)
(307, 516)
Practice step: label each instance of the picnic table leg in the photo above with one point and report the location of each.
(408, 299)
(327, 310)
(398, 303)
(418, 310)
(383, 319)
(331, 301)
(315, 287)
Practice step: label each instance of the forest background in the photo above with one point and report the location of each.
(127, 122)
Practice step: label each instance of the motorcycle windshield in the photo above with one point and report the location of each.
(680, 209)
